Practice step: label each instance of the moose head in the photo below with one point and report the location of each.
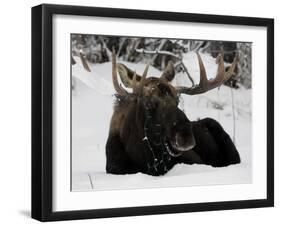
(148, 131)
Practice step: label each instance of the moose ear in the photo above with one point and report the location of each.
(169, 72)
(127, 75)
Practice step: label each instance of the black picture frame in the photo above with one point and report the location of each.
(42, 106)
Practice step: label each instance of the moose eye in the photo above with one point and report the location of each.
(164, 89)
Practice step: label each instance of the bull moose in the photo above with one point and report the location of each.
(150, 134)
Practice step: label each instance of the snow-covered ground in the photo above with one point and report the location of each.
(92, 107)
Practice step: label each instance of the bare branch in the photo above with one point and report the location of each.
(162, 52)
(72, 60)
(233, 114)
(162, 43)
(84, 62)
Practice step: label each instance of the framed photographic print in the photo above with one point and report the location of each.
(146, 112)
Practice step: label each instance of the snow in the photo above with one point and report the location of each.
(92, 108)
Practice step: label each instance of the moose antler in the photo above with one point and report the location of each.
(143, 78)
(205, 84)
(136, 87)
(134, 83)
(119, 89)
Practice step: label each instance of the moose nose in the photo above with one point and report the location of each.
(185, 143)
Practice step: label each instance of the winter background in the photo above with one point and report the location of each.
(93, 98)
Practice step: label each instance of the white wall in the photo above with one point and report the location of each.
(15, 111)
